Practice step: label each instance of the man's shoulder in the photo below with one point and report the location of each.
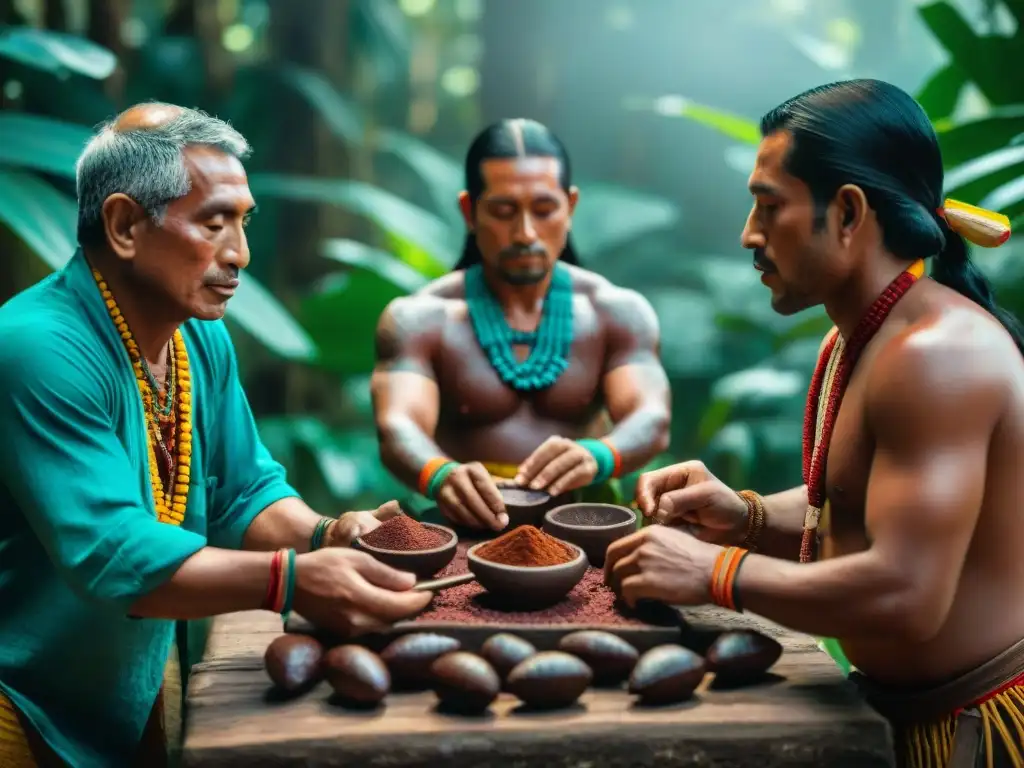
(429, 308)
(617, 307)
(40, 322)
(952, 358)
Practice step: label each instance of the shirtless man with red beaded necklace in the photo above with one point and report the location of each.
(919, 576)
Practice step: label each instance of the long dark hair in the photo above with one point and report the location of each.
(874, 135)
(506, 139)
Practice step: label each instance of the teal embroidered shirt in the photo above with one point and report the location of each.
(79, 540)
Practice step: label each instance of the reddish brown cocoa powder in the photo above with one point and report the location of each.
(403, 534)
(590, 602)
(526, 547)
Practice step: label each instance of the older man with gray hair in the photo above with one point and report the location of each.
(131, 471)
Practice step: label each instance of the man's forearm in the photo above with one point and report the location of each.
(783, 523)
(288, 523)
(211, 582)
(640, 437)
(405, 448)
(850, 596)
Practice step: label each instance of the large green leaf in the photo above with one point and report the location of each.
(55, 52)
(442, 175)
(338, 112)
(963, 142)
(734, 126)
(40, 215)
(258, 312)
(608, 216)
(383, 264)
(389, 212)
(346, 463)
(383, 35)
(341, 314)
(977, 178)
(41, 143)
(984, 60)
(1008, 198)
(941, 93)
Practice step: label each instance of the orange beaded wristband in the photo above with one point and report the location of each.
(723, 577)
(428, 472)
(615, 454)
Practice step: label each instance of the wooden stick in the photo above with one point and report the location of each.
(436, 585)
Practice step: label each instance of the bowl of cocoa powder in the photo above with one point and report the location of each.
(409, 545)
(591, 526)
(526, 506)
(526, 568)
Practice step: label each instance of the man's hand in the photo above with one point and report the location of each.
(469, 497)
(557, 466)
(351, 525)
(688, 496)
(659, 563)
(350, 593)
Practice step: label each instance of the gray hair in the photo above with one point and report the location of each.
(146, 164)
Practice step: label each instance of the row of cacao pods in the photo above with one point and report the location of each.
(469, 682)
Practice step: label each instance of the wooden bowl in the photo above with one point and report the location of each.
(525, 506)
(527, 588)
(423, 562)
(593, 527)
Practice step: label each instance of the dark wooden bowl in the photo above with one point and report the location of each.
(526, 506)
(527, 588)
(593, 527)
(423, 562)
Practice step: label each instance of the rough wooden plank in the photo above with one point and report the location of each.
(803, 720)
(807, 716)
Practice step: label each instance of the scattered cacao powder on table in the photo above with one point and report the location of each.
(403, 534)
(590, 603)
(526, 547)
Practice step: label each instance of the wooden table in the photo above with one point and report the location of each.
(812, 718)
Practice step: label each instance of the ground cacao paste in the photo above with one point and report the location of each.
(403, 534)
(526, 547)
(589, 603)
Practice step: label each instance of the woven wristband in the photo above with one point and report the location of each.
(608, 460)
(433, 474)
(755, 518)
(723, 577)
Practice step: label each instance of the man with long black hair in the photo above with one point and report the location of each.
(907, 527)
(505, 367)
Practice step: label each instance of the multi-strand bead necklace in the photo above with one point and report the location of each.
(551, 344)
(828, 385)
(168, 412)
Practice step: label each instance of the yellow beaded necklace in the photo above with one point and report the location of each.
(170, 503)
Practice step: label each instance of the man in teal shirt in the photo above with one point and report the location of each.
(134, 489)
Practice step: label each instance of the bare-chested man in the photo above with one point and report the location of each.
(505, 367)
(920, 577)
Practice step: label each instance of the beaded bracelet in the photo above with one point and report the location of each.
(609, 462)
(317, 540)
(755, 518)
(433, 474)
(723, 578)
(281, 587)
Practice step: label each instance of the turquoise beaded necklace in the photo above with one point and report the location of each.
(549, 345)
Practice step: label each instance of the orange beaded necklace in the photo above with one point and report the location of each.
(168, 416)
